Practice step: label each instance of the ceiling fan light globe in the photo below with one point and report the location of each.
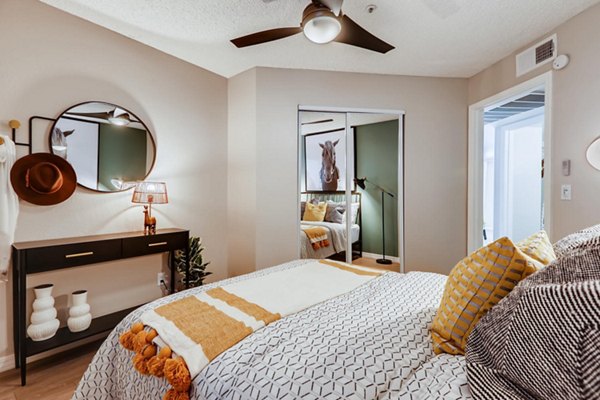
(320, 25)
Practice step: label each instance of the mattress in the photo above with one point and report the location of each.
(370, 343)
(336, 234)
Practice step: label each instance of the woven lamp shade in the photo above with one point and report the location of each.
(150, 193)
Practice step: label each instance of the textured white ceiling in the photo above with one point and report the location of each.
(450, 38)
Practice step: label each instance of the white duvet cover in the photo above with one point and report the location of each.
(370, 343)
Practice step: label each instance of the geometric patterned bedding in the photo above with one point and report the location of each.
(371, 343)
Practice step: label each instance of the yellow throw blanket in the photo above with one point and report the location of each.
(199, 327)
(317, 236)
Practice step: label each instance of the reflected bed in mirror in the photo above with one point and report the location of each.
(108, 146)
(332, 236)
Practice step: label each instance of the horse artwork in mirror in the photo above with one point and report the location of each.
(108, 146)
(325, 161)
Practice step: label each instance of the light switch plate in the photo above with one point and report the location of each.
(565, 192)
(566, 167)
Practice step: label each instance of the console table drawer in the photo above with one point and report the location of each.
(72, 255)
(151, 244)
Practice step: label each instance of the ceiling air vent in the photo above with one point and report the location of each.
(535, 56)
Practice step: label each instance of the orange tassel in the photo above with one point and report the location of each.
(137, 328)
(139, 342)
(173, 394)
(178, 374)
(126, 340)
(139, 363)
(165, 352)
(149, 351)
(156, 366)
(151, 335)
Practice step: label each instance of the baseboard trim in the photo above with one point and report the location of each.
(7, 362)
(376, 256)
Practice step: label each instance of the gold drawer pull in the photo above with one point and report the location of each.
(87, 253)
(156, 244)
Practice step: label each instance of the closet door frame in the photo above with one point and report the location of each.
(350, 168)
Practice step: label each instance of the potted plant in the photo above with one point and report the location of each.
(197, 271)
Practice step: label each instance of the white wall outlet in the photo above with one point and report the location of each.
(565, 192)
(159, 278)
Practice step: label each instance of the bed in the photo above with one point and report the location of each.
(370, 343)
(336, 235)
(336, 232)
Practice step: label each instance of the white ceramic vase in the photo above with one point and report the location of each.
(44, 323)
(79, 313)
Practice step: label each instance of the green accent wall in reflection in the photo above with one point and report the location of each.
(121, 154)
(377, 159)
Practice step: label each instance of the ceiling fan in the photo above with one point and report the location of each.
(114, 117)
(322, 22)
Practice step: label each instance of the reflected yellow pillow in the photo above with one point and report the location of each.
(538, 247)
(315, 212)
(477, 283)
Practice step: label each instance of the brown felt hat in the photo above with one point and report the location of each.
(44, 179)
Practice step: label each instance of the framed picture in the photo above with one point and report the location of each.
(325, 161)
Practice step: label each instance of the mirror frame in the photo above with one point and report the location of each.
(595, 142)
(128, 112)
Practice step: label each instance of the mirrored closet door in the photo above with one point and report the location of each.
(350, 186)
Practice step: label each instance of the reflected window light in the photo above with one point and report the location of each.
(122, 185)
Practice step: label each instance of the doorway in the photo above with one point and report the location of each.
(343, 164)
(509, 143)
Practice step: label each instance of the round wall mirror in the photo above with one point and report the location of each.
(108, 146)
(593, 154)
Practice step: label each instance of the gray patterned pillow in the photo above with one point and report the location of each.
(331, 210)
(337, 215)
(571, 242)
(538, 342)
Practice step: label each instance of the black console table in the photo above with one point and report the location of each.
(50, 255)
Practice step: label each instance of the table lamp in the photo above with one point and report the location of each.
(149, 193)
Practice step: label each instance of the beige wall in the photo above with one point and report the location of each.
(50, 61)
(241, 145)
(435, 148)
(575, 116)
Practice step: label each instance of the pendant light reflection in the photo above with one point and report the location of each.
(122, 119)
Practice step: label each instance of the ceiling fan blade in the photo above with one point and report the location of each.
(98, 115)
(334, 5)
(265, 36)
(321, 121)
(354, 35)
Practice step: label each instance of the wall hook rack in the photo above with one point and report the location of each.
(15, 124)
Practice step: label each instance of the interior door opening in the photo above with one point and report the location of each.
(513, 167)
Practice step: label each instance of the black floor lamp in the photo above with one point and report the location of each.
(361, 183)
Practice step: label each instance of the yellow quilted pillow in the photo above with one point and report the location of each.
(538, 247)
(315, 212)
(476, 284)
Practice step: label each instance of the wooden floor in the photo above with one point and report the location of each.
(53, 378)
(370, 262)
